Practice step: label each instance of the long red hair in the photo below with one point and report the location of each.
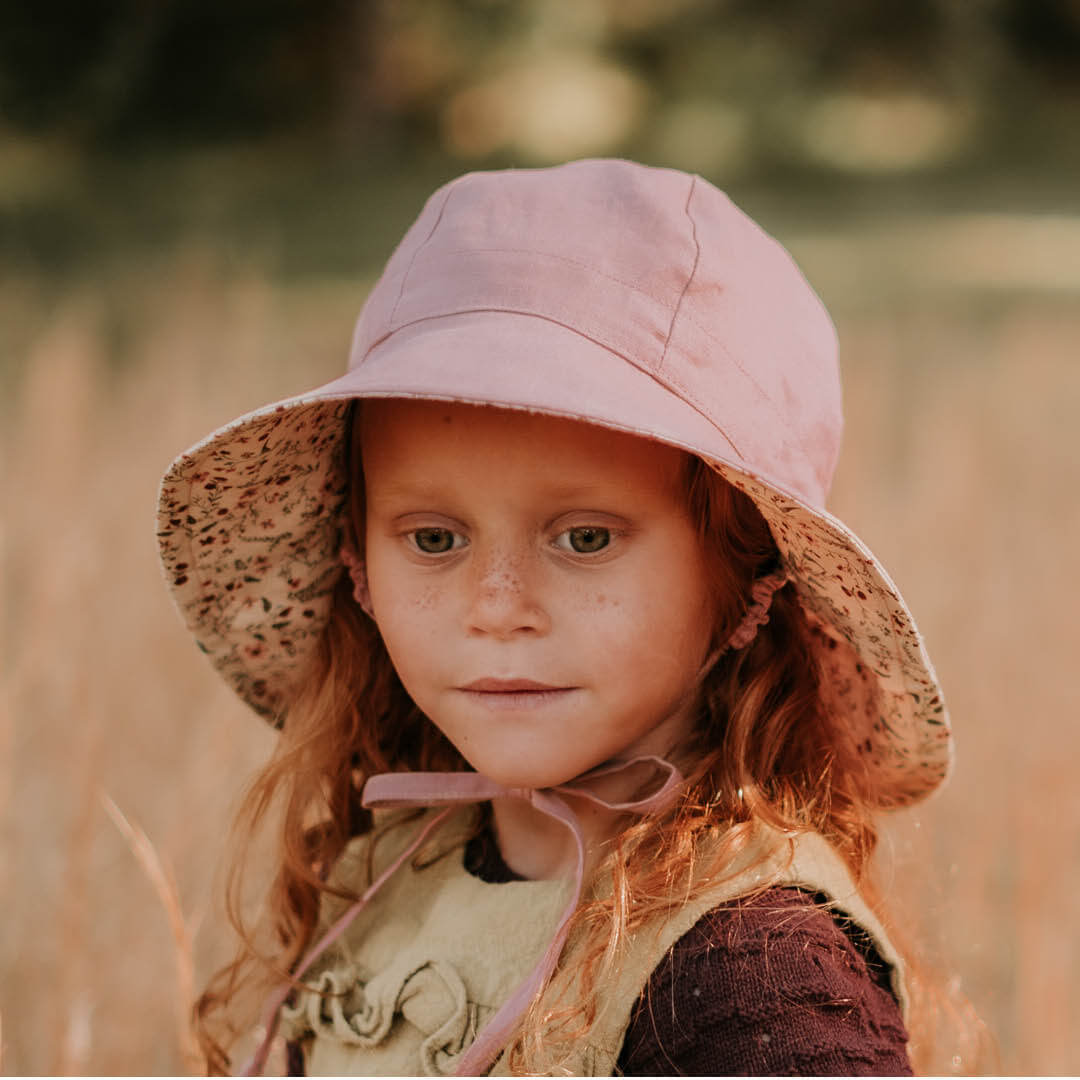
(765, 750)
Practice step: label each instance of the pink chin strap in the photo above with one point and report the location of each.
(451, 790)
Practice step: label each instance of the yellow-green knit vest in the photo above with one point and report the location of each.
(437, 950)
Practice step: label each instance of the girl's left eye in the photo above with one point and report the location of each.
(586, 539)
(434, 541)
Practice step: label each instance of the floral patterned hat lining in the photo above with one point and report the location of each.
(251, 519)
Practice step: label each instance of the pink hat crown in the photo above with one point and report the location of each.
(659, 268)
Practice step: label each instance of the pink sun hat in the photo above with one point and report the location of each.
(637, 298)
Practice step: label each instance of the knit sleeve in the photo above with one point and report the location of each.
(772, 985)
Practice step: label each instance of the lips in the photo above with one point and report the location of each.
(516, 696)
(506, 686)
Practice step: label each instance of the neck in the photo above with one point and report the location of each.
(534, 845)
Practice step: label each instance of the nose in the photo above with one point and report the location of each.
(504, 596)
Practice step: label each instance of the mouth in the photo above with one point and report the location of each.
(509, 694)
(503, 686)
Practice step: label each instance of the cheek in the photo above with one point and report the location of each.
(669, 617)
(601, 621)
(416, 648)
(427, 600)
(649, 619)
(593, 604)
(411, 617)
(408, 617)
(395, 592)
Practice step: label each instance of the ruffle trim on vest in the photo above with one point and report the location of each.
(343, 1008)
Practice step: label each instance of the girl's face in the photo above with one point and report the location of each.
(508, 551)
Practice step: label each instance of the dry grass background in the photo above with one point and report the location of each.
(960, 469)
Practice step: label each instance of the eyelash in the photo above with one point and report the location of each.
(611, 535)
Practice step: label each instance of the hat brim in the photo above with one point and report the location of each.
(250, 520)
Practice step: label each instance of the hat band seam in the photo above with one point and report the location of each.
(502, 311)
(690, 397)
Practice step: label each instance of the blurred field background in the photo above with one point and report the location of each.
(194, 200)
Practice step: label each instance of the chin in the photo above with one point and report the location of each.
(525, 774)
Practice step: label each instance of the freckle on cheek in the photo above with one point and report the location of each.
(427, 600)
(596, 601)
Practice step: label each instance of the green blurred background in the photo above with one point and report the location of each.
(276, 126)
(195, 197)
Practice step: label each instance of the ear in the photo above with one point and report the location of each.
(358, 573)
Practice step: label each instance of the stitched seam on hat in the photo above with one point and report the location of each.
(720, 345)
(749, 378)
(503, 311)
(690, 398)
(690, 278)
(560, 258)
(756, 385)
(420, 247)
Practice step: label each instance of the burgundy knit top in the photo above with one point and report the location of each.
(773, 985)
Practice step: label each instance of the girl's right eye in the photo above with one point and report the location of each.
(434, 541)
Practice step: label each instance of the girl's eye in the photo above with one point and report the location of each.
(433, 541)
(587, 539)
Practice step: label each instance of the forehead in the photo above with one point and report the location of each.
(427, 442)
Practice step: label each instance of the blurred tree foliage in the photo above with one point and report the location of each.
(398, 73)
(271, 127)
(169, 69)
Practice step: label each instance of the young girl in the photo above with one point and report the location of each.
(587, 705)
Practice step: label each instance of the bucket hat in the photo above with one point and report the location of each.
(637, 298)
